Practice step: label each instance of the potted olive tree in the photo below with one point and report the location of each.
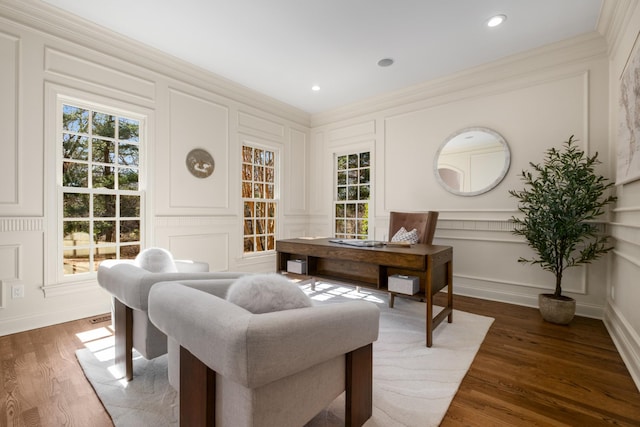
(558, 205)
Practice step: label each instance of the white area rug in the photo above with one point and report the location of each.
(412, 385)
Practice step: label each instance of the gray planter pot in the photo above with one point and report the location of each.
(559, 310)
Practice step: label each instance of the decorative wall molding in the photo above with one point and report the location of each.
(193, 221)
(625, 338)
(630, 259)
(81, 69)
(517, 71)
(10, 47)
(8, 225)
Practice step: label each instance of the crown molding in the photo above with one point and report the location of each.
(502, 72)
(614, 18)
(52, 21)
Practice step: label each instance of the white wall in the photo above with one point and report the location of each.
(622, 316)
(45, 53)
(535, 101)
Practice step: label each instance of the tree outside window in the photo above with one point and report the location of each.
(101, 197)
(352, 195)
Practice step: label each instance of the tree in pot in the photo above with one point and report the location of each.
(558, 205)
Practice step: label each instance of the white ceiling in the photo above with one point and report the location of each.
(282, 47)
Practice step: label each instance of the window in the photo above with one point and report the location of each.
(100, 188)
(259, 199)
(353, 188)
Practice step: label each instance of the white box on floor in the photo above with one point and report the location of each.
(402, 284)
(297, 266)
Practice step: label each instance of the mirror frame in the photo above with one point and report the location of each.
(499, 178)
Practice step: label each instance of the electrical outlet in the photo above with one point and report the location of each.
(17, 291)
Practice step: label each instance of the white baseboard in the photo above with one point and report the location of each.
(625, 339)
(25, 323)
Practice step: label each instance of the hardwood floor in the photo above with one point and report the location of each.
(527, 372)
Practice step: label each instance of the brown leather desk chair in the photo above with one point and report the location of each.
(423, 222)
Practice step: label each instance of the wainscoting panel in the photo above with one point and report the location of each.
(9, 84)
(198, 123)
(72, 66)
(364, 129)
(259, 126)
(211, 247)
(295, 182)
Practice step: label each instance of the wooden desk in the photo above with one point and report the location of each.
(371, 267)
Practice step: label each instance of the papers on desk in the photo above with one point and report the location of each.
(358, 242)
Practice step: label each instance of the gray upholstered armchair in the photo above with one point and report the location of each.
(278, 368)
(129, 282)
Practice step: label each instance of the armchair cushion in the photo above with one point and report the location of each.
(265, 293)
(156, 260)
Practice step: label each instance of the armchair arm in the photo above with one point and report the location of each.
(131, 284)
(256, 349)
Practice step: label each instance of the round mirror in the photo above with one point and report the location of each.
(472, 161)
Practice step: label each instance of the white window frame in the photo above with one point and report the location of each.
(56, 282)
(346, 151)
(277, 150)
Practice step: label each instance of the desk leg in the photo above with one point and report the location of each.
(429, 302)
(450, 290)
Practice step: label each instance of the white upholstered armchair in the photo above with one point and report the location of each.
(278, 368)
(129, 282)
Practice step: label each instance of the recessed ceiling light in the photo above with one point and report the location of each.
(315, 88)
(494, 21)
(385, 62)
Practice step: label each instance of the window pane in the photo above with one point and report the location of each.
(364, 192)
(261, 226)
(246, 190)
(351, 210)
(128, 155)
(363, 226)
(269, 191)
(353, 161)
(272, 210)
(248, 227)
(350, 226)
(75, 119)
(104, 125)
(103, 177)
(248, 209)
(261, 210)
(342, 178)
(129, 206)
(102, 253)
(271, 226)
(128, 129)
(75, 147)
(103, 151)
(75, 175)
(269, 158)
(258, 173)
(247, 156)
(248, 244)
(340, 210)
(75, 205)
(364, 160)
(363, 210)
(340, 226)
(76, 233)
(342, 162)
(104, 231)
(129, 252)
(127, 179)
(260, 244)
(269, 174)
(258, 158)
(257, 191)
(364, 176)
(342, 193)
(104, 205)
(352, 192)
(353, 177)
(271, 243)
(130, 231)
(75, 263)
(247, 172)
